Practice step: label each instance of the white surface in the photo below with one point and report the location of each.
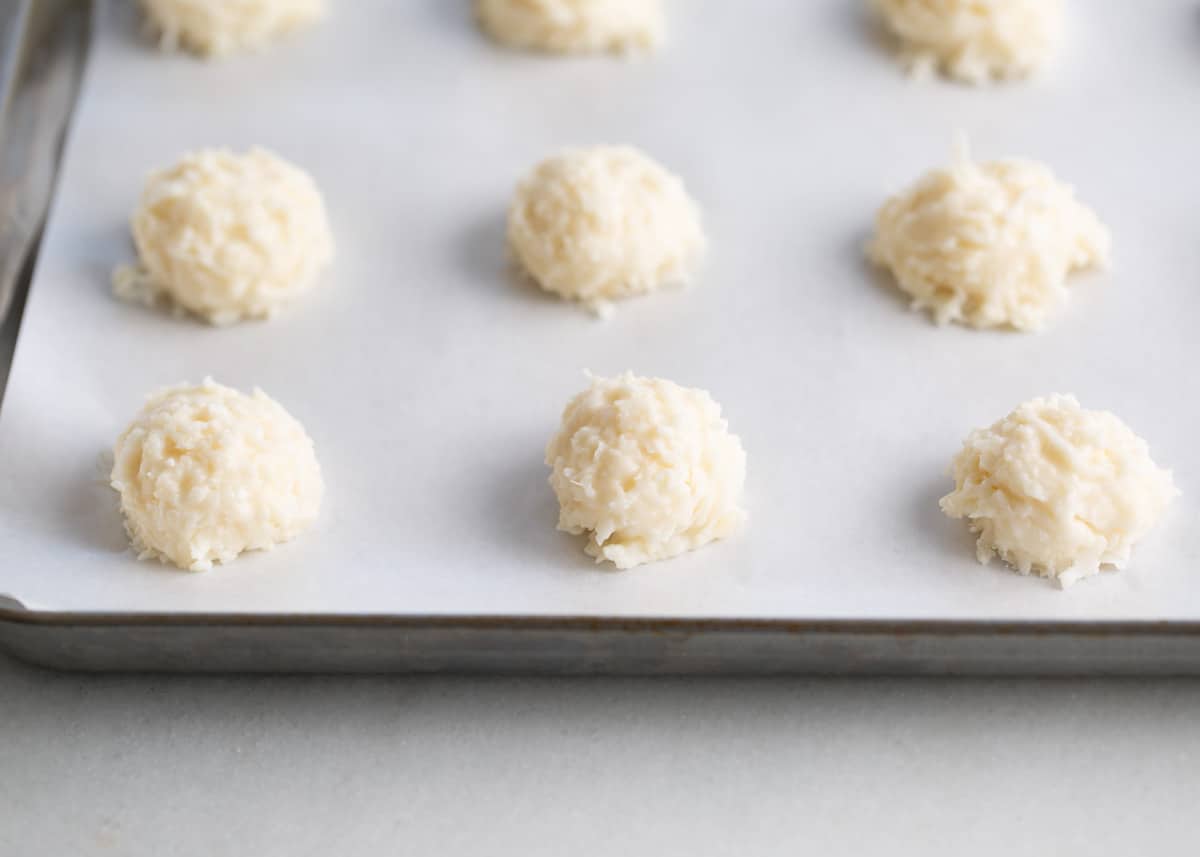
(431, 384)
(296, 767)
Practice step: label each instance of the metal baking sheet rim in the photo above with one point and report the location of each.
(570, 645)
(251, 643)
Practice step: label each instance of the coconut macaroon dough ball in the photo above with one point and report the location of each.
(218, 27)
(228, 236)
(988, 244)
(974, 40)
(646, 468)
(1056, 490)
(206, 472)
(602, 223)
(574, 26)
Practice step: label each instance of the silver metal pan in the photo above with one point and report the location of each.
(43, 51)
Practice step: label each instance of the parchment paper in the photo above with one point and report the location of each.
(431, 381)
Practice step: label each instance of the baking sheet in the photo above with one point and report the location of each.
(430, 381)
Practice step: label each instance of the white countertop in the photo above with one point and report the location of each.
(448, 766)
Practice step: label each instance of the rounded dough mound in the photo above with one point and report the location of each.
(218, 27)
(975, 40)
(1056, 490)
(205, 472)
(574, 26)
(646, 468)
(605, 222)
(988, 244)
(228, 236)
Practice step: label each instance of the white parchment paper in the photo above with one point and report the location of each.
(430, 381)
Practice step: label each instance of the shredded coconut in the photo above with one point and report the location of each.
(975, 40)
(218, 27)
(647, 469)
(1058, 491)
(205, 473)
(988, 244)
(227, 236)
(574, 26)
(603, 223)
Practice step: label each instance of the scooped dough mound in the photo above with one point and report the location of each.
(205, 472)
(988, 244)
(218, 27)
(975, 40)
(647, 469)
(1056, 490)
(603, 223)
(574, 26)
(228, 236)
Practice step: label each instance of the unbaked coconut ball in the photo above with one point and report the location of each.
(603, 223)
(217, 27)
(988, 244)
(974, 40)
(574, 26)
(1058, 491)
(645, 468)
(206, 472)
(227, 236)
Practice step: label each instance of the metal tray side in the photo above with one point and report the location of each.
(43, 51)
(588, 646)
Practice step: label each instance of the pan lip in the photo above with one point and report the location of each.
(578, 623)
